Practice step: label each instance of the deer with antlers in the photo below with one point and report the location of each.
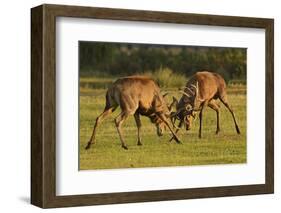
(136, 95)
(201, 90)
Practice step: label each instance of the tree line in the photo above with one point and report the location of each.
(126, 59)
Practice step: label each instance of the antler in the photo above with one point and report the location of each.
(192, 85)
(174, 103)
(176, 113)
(165, 94)
(184, 93)
(190, 90)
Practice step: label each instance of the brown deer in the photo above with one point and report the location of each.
(201, 90)
(136, 95)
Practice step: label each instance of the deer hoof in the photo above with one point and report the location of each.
(237, 130)
(178, 141)
(88, 145)
(139, 143)
(125, 147)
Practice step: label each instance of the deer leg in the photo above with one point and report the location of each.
(162, 117)
(179, 126)
(138, 122)
(118, 122)
(224, 101)
(173, 121)
(200, 119)
(99, 119)
(215, 107)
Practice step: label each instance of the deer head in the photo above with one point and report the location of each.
(185, 106)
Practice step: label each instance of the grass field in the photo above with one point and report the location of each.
(225, 148)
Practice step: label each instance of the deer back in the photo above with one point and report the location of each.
(202, 87)
(138, 92)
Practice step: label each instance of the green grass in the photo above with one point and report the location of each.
(167, 78)
(225, 148)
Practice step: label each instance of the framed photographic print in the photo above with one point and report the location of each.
(136, 106)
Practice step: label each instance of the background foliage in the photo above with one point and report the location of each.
(126, 59)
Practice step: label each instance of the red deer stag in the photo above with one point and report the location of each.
(136, 95)
(201, 90)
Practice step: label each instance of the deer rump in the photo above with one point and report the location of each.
(202, 90)
(136, 95)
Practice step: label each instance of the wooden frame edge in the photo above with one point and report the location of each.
(269, 137)
(36, 106)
